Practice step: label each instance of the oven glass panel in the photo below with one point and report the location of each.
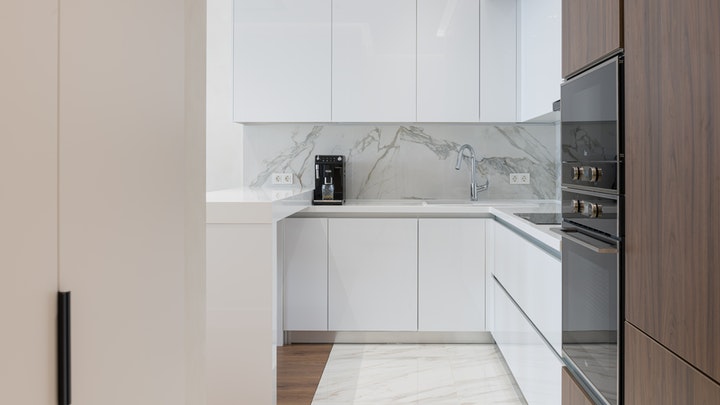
(590, 313)
(590, 125)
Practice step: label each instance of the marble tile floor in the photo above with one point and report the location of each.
(432, 374)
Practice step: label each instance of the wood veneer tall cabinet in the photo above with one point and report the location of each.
(672, 101)
(102, 173)
(592, 29)
(572, 392)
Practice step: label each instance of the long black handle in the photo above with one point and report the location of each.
(64, 397)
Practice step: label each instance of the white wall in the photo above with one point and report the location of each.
(224, 137)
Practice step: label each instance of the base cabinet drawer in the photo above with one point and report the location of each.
(533, 364)
(532, 276)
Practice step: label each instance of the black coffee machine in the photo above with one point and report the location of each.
(329, 180)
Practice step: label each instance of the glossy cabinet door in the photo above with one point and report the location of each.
(448, 56)
(282, 61)
(372, 281)
(451, 274)
(534, 365)
(591, 31)
(539, 64)
(28, 175)
(373, 61)
(498, 61)
(305, 264)
(533, 277)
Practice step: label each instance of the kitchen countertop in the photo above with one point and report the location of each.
(502, 210)
(254, 205)
(250, 205)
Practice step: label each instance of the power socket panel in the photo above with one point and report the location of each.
(519, 178)
(282, 178)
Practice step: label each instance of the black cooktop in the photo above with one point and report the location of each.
(542, 218)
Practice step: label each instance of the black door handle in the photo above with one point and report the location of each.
(63, 339)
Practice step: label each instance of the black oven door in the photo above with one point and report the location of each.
(591, 304)
(591, 123)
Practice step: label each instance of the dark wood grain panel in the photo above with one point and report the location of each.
(572, 393)
(591, 29)
(299, 368)
(672, 254)
(655, 376)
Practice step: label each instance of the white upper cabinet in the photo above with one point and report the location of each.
(282, 61)
(498, 61)
(539, 50)
(373, 61)
(396, 61)
(448, 51)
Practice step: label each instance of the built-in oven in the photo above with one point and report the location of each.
(592, 293)
(593, 228)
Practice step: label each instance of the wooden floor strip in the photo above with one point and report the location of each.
(300, 367)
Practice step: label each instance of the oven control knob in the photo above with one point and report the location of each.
(591, 210)
(576, 173)
(591, 174)
(576, 206)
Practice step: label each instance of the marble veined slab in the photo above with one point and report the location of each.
(416, 374)
(409, 161)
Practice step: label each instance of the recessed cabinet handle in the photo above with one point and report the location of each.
(63, 340)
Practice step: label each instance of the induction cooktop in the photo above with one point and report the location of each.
(542, 218)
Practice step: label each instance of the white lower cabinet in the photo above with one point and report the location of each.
(372, 277)
(306, 279)
(451, 274)
(533, 278)
(533, 364)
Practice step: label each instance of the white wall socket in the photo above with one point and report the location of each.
(282, 178)
(519, 178)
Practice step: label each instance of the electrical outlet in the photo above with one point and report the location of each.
(282, 178)
(519, 178)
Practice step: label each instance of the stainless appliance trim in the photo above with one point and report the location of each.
(604, 248)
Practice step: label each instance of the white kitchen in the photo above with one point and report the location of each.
(409, 257)
(359, 202)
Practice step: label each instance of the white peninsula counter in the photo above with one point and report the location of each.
(242, 291)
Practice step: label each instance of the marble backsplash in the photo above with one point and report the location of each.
(408, 161)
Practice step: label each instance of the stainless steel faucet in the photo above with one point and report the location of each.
(474, 187)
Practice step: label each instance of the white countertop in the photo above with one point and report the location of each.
(249, 205)
(501, 209)
(252, 205)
